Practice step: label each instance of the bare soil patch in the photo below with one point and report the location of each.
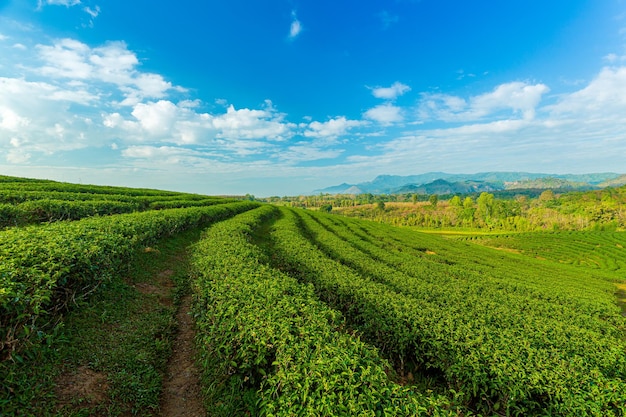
(182, 395)
(84, 386)
(162, 287)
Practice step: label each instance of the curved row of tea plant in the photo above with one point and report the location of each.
(44, 268)
(504, 348)
(44, 210)
(587, 295)
(28, 202)
(271, 348)
(598, 250)
(17, 184)
(17, 196)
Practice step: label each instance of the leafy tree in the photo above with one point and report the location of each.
(547, 195)
(380, 205)
(326, 208)
(433, 199)
(456, 201)
(468, 210)
(485, 205)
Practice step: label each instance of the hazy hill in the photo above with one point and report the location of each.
(388, 184)
(549, 183)
(442, 187)
(615, 182)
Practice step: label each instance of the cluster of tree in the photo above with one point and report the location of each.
(342, 200)
(592, 210)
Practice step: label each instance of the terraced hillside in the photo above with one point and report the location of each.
(304, 313)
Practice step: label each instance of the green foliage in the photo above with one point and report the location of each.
(592, 249)
(29, 202)
(121, 337)
(592, 210)
(508, 333)
(271, 348)
(43, 269)
(303, 313)
(327, 208)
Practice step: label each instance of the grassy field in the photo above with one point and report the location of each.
(298, 312)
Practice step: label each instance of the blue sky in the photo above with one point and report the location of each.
(283, 97)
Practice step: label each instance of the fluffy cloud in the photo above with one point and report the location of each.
(161, 121)
(519, 97)
(391, 93)
(11, 121)
(111, 64)
(253, 124)
(509, 129)
(41, 117)
(241, 132)
(331, 128)
(385, 114)
(604, 96)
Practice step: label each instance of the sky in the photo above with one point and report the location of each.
(285, 97)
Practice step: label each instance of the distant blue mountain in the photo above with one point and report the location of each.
(444, 183)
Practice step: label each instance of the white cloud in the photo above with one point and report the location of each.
(92, 12)
(241, 132)
(604, 96)
(3, 37)
(156, 118)
(519, 97)
(331, 128)
(150, 152)
(112, 64)
(66, 3)
(17, 156)
(66, 58)
(391, 93)
(41, 117)
(253, 124)
(385, 114)
(295, 28)
(161, 121)
(9, 120)
(509, 129)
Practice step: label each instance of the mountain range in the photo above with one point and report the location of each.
(443, 183)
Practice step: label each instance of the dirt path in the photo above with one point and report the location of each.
(182, 396)
(129, 317)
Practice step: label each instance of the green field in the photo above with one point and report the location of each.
(299, 312)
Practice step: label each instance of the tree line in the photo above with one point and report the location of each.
(523, 211)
